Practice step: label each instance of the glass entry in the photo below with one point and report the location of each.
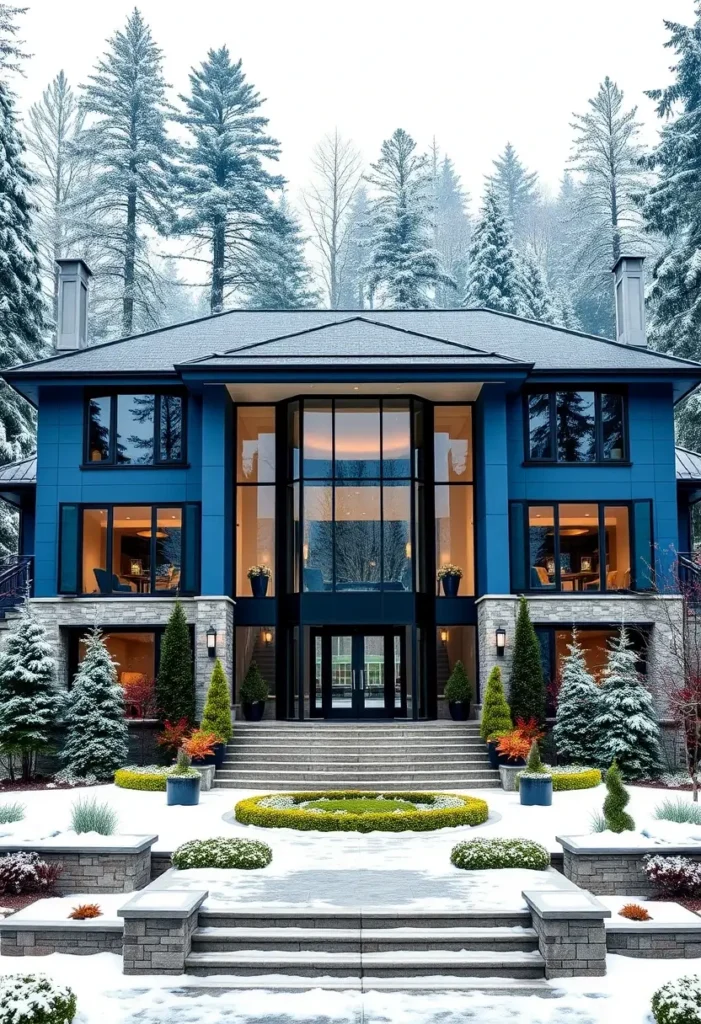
(358, 673)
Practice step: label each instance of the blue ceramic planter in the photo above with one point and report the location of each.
(451, 585)
(183, 791)
(536, 792)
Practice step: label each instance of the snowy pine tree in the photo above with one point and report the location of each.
(10, 46)
(97, 735)
(223, 183)
(515, 188)
(626, 726)
(30, 704)
(21, 309)
(536, 297)
(129, 190)
(403, 263)
(494, 277)
(356, 289)
(577, 708)
(451, 228)
(563, 312)
(281, 276)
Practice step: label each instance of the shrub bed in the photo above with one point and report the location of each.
(223, 853)
(350, 811)
(24, 873)
(152, 778)
(35, 999)
(574, 777)
(678, 1002)
(479, 854)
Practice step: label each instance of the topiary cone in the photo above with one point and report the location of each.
(496, 715)
(617, 820)
(458, 688)
(217, 709)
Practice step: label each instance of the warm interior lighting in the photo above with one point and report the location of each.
(305, 552)
(444, 636)
(211, 641)
(500, 641)
(407, 549)
(160, 534)
(268, 636)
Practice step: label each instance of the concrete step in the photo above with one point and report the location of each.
(302, 730)
(408, 964)
(248, 915)
(365, 940)
(359, 750)
(308, 763)
(268, 785)
(216, 984)
(376, 774)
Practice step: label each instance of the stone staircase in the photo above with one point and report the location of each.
(356, 755)
(426, 949)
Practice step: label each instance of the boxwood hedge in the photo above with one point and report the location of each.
(426, 818)
(479, 854)
(222, 852)
(678, 1002)
(575, 778)
(152, 779)
(35, 999)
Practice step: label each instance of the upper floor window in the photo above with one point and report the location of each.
(136, 429)
(576, 426)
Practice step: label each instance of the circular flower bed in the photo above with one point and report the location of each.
(349, 811)
(35, 999)
(479, 854)
(246, 854)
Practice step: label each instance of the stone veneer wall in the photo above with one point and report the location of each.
(609, 874)
(101, 872)
(46, 940)
(57, 614)
(157, 945)
(672, 943)
(663, 614)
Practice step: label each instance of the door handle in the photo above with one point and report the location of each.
(354, 686)
(362, 679)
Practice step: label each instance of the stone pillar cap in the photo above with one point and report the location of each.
(167, 904)
(565, 905)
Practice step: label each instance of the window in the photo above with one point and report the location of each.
(564, 543)
(135, 656)
(575, 426)
(129, 549)
(454, 644)
(452, 452)
(135, 429)
(254, 644)
(255, 495)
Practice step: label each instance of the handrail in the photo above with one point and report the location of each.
(15, 579)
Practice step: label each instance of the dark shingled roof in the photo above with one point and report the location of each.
(22, 472)
(483, 331)
(688, 465)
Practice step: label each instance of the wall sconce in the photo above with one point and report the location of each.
(305, 552)
(501, 642)
(211, 641)
(444, 636)
(407, 549)
(267, 636)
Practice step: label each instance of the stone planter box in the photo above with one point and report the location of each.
(608, 871)
(508, 773)
(207, 775)
(120, 864)
(41, 938)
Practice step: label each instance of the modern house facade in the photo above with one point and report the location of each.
(353, 455)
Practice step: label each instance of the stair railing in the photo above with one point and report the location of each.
(15, 579)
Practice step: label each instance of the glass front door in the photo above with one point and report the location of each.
(358, 673)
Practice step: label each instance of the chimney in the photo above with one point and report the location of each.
(630, 300)
(73, 283)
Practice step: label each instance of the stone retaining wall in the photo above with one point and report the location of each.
(570, 929)
(121, 867)
(44, 940)
(611, 872)
(160, 863)
(158, 929)
(661, 944)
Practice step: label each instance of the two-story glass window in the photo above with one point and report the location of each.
(255, 494)
(575, 426)
(135, 429)
(129, 549)
(454, 501)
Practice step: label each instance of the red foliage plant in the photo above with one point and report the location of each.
(140, 697)
(200, 744)
(634, 912)
(173, 735)
(530, 730)
(25, 873)
(514, 745)
(85, 911)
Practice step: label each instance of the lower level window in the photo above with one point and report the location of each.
(135, 656)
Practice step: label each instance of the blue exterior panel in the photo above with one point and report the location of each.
(218, 527)
(491, 491)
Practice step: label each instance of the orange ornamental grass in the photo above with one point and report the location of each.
(200, 744)
(85, 911)
(634, 912)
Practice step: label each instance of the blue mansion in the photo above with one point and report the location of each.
(347, 457)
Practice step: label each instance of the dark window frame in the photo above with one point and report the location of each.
(110, 506)
(553, 460)
(601, 506)
(114, 394)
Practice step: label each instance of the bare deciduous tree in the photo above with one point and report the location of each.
(338, 173)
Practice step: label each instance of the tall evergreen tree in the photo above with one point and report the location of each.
(281, 276)
(451, 228)
(402, 260)
(224, 183)
(515, 188)
(21, 309)
(536, 298)
(175, 685)
(494, 277)
(217, 709)
(30, 703)
(526, 684)
(356, 289)
(577, 708)
(97, 735)
(10, 46)
(673, 209)
(564, 313)
(61, 172)
(626, 726)
(129, 189)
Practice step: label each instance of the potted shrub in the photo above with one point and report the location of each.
(254, 693)
(450, 576)
(495, 758)
(259, 575)
(217, 713)
(183, 783)
(459, 693)
(199, 747)
(536, 783)
(514, 749)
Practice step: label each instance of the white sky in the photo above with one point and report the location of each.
(474, 73)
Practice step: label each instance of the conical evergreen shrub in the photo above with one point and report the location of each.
(459, 687)
(617, 819)
(217, 709)
(175, 685)
(578, 706)
(496, 715)
(97, 737)
(253, 688)
(526, 686)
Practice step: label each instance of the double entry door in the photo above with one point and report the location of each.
(358, 673)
